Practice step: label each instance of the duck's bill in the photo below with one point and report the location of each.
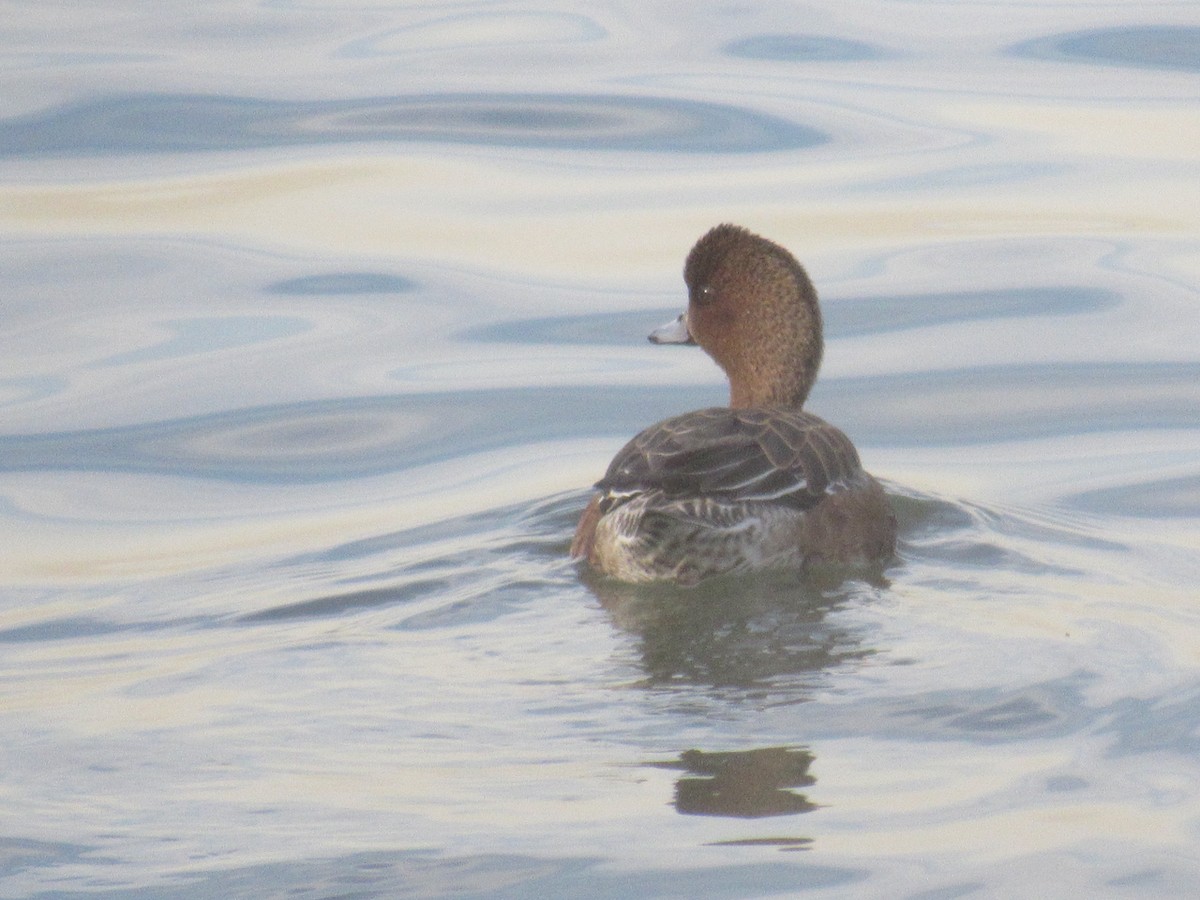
(674, 332)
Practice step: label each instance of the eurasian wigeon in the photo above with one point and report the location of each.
(760, 484)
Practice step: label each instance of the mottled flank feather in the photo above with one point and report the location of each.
(719, 490)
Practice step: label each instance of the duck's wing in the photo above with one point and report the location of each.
(735, 456)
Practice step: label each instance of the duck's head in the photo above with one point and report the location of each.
(753, 309)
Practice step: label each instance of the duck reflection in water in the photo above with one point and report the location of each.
(765, 636)
(747, 784)
(758, 640)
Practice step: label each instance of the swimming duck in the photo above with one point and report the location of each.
(757, 485)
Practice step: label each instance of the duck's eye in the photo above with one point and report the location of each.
(705, 294)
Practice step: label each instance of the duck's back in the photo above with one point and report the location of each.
(722, 489)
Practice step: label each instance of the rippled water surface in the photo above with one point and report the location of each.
(320, 319)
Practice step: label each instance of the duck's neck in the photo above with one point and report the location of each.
(780, 369)
(761, 382)
(791, 392)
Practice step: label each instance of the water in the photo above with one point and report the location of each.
(320, 319)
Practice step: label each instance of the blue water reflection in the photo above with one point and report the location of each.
(154, 123)
(1162, 498)
(433, 873)
(343, 283)
(846, 317)
(1148, 46)
(802, 48)
(356, 437)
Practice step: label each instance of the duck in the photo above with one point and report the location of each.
(758, 485)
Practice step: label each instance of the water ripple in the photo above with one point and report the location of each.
(802, 48)
(16, 391)
(343, 284)
(847, 317)
(352, 437)
(328, 439)
(474, 31)
(1163, 498)
(179, 123)
(1023, 401)
(1150, 47)
(190, 337)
